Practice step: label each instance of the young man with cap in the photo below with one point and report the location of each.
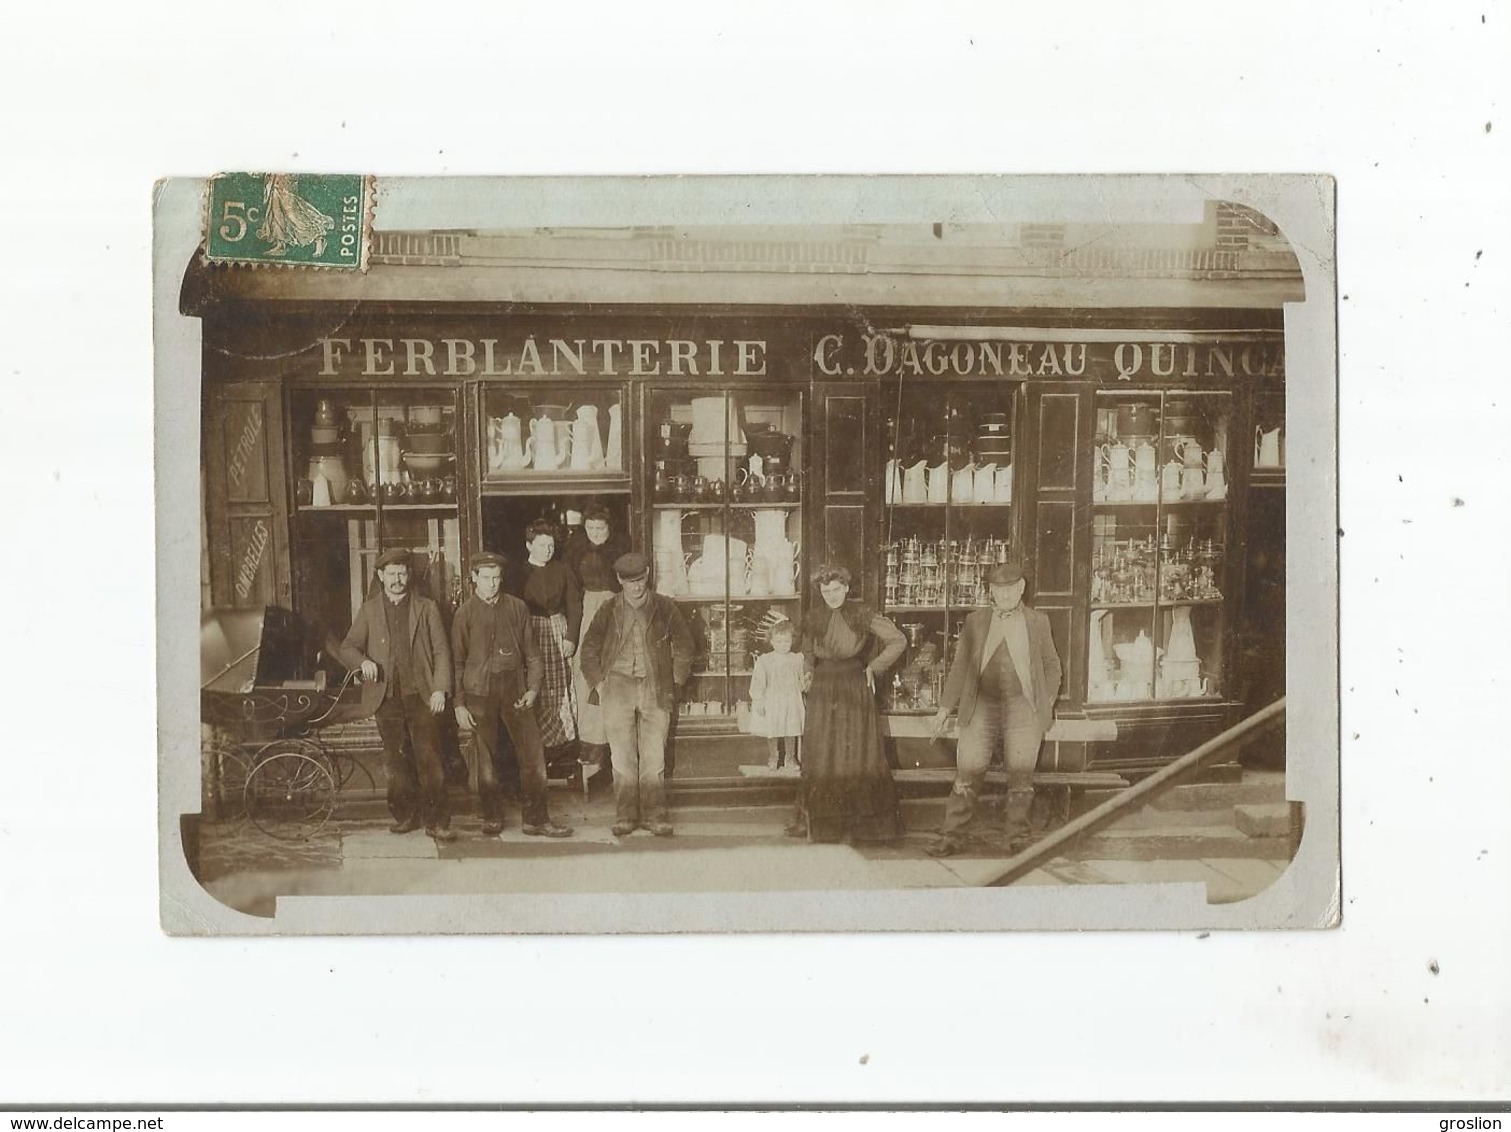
(501, 672)
(1004, 681)
(635, 655)
(399, 644)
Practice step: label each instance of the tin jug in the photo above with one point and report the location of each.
(1003, 490)
(915, 484)
(939, 483)
(986, 483)
(1269, 447)
(963, 484)
(1217, 479)
(587, 443)
(613, 453)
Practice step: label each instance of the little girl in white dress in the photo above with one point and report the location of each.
(776, 696)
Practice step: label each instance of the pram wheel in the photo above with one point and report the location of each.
(290, 794)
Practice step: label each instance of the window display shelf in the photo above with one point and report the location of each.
(1126, 604)
(555, 483)
(370, 509)
(702, 505)
(933, 608)
(1157, 701)
(732, 598)
(1160, 502)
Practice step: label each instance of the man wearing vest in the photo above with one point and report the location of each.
(501, 671)
(1004, 681)
(399, 644)
(635, 655)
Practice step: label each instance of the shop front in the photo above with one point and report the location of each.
(1132, 457)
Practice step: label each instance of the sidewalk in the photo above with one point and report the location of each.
(712, 851)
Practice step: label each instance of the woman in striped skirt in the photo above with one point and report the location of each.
(554, 597)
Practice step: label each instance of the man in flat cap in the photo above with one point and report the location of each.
(635, 655)
(399, 644)
(1004, 681)
(501, 672)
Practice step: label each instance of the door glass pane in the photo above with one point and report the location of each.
(727, 489)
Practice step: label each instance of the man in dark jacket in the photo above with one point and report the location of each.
(1004, 680)
(501, 670)
(636, 654)
(399, 644)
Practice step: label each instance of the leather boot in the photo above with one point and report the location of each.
(1020, 801)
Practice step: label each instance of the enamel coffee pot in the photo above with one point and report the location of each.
(1169, 481)
(548, 453)
(1190, 453)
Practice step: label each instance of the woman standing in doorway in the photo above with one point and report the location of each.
(847, 785)
(554, 598)
(590, 556)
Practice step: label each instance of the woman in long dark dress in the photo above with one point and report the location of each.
(554, 597)
(847, 785)
(590, 555)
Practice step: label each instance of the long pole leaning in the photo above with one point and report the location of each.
(1115, 807)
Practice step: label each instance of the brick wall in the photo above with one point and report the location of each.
(1237, 224)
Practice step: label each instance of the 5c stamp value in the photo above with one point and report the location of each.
(306, 220)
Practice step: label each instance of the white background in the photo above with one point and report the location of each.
(1402, 102)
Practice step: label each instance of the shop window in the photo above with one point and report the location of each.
(373, 471)
(1159, 546)
(727, 487)
(948, 507)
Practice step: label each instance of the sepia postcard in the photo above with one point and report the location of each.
(746, 553)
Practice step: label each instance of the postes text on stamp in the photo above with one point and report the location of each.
(306, 220)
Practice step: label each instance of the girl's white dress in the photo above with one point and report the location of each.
(776, 687)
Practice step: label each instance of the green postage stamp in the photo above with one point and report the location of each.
(301, 219)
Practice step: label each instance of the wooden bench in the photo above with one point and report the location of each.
(1056, 785)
